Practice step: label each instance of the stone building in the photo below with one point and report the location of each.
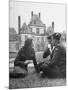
(50, 29)
(14, 42)
(36, 30)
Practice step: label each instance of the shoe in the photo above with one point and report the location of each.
(16, 75)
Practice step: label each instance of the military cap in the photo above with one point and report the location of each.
(56, 36)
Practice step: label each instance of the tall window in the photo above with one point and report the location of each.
(42, 43)
(37, 39)
(34, 21)
(17, 46)
(37, 30)
(42, 39)
(26, 37)
(31, 30)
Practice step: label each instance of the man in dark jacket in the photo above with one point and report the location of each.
(47, 52)
(56, 68)
(48, 49)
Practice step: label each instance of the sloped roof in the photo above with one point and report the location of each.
(13, 36)
(25, 28)
(50, 30)
(12, 31)
(36, 21)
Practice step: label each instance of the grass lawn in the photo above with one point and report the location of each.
(33, 79)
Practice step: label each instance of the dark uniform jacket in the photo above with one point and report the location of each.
(46, 53)
(58, 60)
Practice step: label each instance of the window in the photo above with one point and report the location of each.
(38, 39)
(17, 46)
(26, 37)
(34, 21)
(37, 30)
(42, 39)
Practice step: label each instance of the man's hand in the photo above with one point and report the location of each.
(45, 65)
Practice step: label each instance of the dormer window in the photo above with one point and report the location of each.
(34, 21)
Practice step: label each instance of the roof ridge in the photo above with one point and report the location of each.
(35, 20)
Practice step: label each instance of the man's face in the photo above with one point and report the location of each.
(53, 42)
(49, 40)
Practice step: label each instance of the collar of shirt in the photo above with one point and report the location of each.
(49, 46)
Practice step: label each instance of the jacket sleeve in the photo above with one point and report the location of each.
(34, 61)
(46, 53)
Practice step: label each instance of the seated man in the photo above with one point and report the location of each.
(56, 68)
(49, 49)
(21, 63)
(47, 52)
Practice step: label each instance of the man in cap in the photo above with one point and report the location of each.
(56, 68)
(49, 49)
(47, 52)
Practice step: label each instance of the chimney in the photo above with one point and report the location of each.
(19, 24)
(39, 15)
(32, 14)
(53, 25)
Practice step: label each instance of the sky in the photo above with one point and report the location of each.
(49, 12)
